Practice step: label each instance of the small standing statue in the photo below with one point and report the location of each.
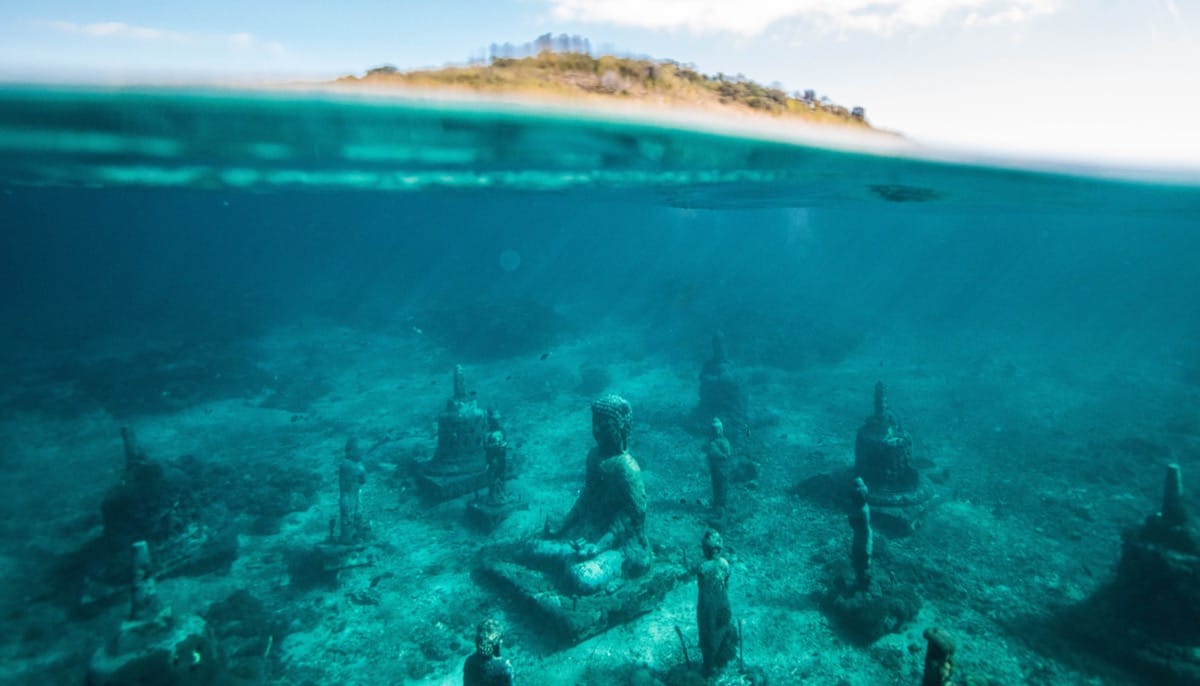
(717, 638)
(487, 513)
(156, 646)
(719, 452)
(144, 604)
(485, 667)
(863, 542)
(351, 477)
(867, 608)
(495, 447)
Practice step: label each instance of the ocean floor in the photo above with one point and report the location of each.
(1040, 457)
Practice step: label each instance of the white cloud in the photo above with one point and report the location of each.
(753, 17)
(240, 41)
(114, 29)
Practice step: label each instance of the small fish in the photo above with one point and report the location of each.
(417, 330)
(545, 355)
(508, 378)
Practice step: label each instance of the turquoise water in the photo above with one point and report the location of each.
(248, 278)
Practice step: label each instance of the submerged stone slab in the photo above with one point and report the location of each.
(440, 487)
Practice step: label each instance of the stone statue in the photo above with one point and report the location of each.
(862, 544)
(144, 603)
(1147, 615)
(462, 427)
(722, 393)
(939, 658)
(898, 493)
(487, 513)
(719, 454)
(485, 667)
(603, 537)
(713, 615)
(459, 463)
(495, 448)
(154, 646)
(595, 570)
(351, 477)
(883, 449)
(867, 608)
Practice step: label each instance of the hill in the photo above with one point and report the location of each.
(575, 75)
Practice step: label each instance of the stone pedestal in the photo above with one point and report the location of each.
(572, 618)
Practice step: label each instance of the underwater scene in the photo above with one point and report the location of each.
(316, 389)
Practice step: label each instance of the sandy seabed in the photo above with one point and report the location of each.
(1043, 458)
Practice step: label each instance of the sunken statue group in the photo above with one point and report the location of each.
(594, 567)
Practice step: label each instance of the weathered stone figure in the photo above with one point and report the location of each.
(495, 447)
(144, 604)
(603, 537)
(864, 607)
(939, 658)
(721, 391)
(713, 615)
(862, 544)
(143, 504)
(351, 477)
(486, 667)
(719, 454)
(595, 570)
(154, 646)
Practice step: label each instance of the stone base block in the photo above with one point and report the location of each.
(573, 619)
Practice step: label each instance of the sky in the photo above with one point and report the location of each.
(1114, 81)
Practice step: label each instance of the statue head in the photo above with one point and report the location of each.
(858, 493)
(719, 352)
(718, 429)
(134, 455)
(488, 638)
(352, 451)
(460, 383)
(494, 418)
(612, 417)
(712, 544)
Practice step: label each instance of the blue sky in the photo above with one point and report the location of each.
(1096, 79)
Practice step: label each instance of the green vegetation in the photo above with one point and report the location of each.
(656, 82)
